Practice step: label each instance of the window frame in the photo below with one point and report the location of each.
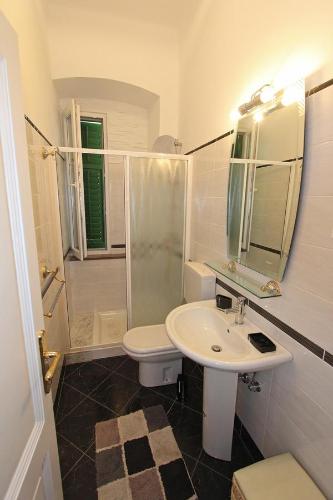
(86, 115)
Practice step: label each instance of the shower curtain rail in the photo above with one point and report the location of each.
(118, 152)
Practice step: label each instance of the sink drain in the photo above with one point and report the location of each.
(216, 348)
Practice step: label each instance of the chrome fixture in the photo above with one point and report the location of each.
(272, 287)
(254, 385)
(244, 377)
(264, 94)
(240, 306)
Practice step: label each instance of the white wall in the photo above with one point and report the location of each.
(294, 412)
(91, 42)
(231, 48)
(127, 124)
(40, 102)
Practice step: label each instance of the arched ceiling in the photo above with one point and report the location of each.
(171, 13)
(104, 88)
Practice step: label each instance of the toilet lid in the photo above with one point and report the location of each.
(145, 339)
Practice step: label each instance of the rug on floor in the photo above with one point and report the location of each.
(137, 458)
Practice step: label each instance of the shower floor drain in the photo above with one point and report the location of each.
(216, 348)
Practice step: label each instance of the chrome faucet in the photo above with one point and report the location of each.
(240, 307)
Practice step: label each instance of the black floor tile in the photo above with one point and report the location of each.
(80, 483)
(187, 428)
(79, 426)
(237, 425)
(190, 463)
(168, 391)
(250, 445)
(115, 392)
(144, 398)
(68, 455)
(198, 372)
(68, 399)
(91, 451)
(240, 458)
(209, 485)
(192, 368)
(113, 388)
(71, 369)
(188, 366)
(193, 393)
(88, 377)
(112, 363)
(177, 484)
(129, 369)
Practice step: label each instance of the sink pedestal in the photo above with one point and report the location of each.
(219, 402)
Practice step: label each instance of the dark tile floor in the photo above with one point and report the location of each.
(103, 389)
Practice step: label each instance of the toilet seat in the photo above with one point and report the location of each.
(160, 362)
(147, 340)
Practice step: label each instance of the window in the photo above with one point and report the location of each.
(93, 181)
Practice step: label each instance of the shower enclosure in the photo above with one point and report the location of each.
(133, 282)
(155, 202)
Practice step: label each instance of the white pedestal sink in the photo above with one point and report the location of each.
(210, 337)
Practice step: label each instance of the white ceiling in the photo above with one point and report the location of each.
(171, 13)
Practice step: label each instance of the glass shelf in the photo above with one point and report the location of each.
(242, 280)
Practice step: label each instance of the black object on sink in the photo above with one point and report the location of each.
(223, 302)
(261, 342)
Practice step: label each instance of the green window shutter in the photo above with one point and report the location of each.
(93, 180)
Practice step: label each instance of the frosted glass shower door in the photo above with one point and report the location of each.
(156, 192)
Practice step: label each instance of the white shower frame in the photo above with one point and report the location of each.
(98, 351)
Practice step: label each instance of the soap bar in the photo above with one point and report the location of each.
(223, 302)
(261, 342)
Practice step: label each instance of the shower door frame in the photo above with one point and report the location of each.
(101, 350)
(187, 216)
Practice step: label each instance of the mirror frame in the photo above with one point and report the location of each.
(248, 185)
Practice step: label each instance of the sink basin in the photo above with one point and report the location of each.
(211, 337)
(195, 328)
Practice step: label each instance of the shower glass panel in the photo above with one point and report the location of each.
(156, 218)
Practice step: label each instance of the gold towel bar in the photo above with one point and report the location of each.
(53, 306)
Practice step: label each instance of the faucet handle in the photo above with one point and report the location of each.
(241, 300)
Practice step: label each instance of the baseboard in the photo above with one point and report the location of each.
(81, 354)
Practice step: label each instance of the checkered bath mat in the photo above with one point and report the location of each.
(137, 458)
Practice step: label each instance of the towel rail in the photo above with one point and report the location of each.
(54, 303)
(49, 277)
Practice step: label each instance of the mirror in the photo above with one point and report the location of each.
(264, 182)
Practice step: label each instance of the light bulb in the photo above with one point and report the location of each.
(258, 116)
(235, 115)
(290, 95)
(267, 94)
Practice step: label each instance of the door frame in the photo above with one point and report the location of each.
(20, 212)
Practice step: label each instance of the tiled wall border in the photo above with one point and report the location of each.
(219, 138)
(305, 342)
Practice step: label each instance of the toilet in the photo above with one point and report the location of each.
(160, 362)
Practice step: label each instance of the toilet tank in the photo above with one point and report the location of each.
(199, 282)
